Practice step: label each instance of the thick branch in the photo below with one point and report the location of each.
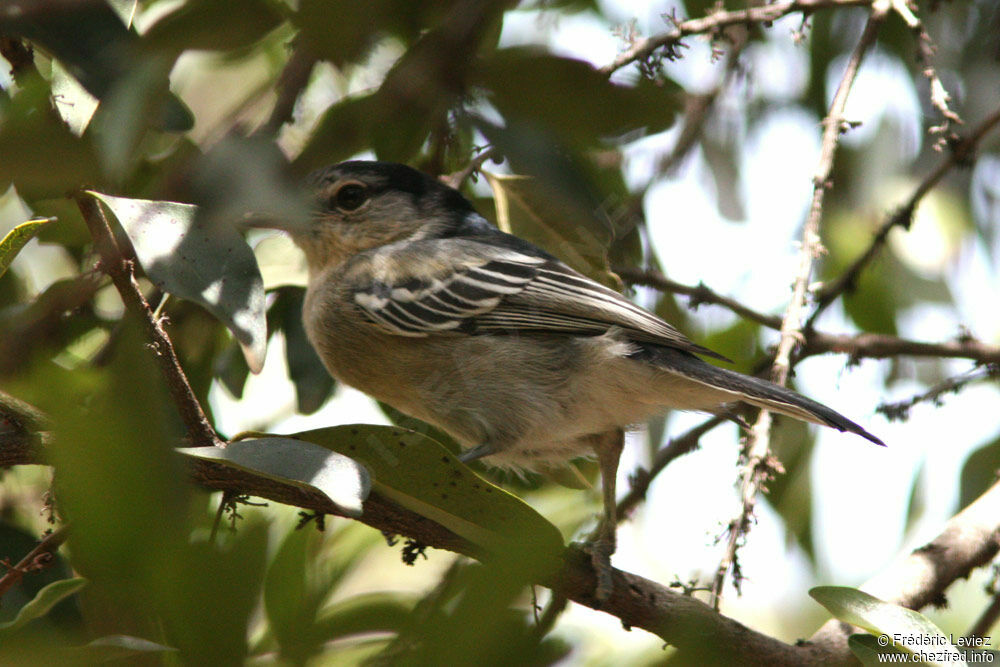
(969, 540)
(881, 346)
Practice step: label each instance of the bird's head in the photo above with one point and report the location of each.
(359, 205)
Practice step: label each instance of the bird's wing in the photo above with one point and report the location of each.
(473, 288)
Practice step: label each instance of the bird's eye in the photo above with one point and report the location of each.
(350, 197)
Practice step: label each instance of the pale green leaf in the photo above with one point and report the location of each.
(344, 481)
(17, 238)
(900, 627)
(44, 601)
(423, 476)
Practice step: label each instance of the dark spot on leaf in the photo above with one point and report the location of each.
(444, 496)
(444, 459)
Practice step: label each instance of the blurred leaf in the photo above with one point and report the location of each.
(341, 32)
(119, 483)
(791, 493)
(17, 238)
(210, 265)
(723, 163)
(363, 614)
(313, 383)
(886, 287)
(40, 154)
(979, 472)
(207, 594)
(881, 618)
(343, 130)
(525, 209)
(292, 597)
(528, 83)
(209, 25)
(423, 476)
(245, 181)
(231, 368)
(303, 464)
(93, 44)
(46, 598)
(114, 648)
(134, 104)
(444, 629)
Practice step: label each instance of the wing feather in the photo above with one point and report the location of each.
(478, 289)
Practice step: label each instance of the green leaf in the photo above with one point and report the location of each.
(529, 84)
(17, 238)
(979, 472)
(43, 602)
(41, 156)
(423, 476)
(867, 649)
(363, 614)
(338, 477)
(94, 45)
(209, 264)
(290, 596)
(209, 25)
(313, 384)
(900, 627)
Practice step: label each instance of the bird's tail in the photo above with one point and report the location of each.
(758, 392)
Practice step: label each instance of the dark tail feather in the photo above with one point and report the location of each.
(755, 391)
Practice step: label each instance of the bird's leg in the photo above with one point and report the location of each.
(608, 447)
(477, 452)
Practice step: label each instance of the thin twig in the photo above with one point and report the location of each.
(200, 432)
(952, 385)
(699, 293)
(760, 466)
(902, 217)
(458, 178)
(38, 558)
(644, 48)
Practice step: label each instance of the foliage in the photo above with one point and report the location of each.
(190, 122)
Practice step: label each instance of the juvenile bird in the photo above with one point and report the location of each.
(418, 301)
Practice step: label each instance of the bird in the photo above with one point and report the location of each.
(417, 300)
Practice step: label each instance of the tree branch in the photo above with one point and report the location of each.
(38, 558)
(644, 48)
(882, 346)
(699, 293)
(969, 540)
(198, 428)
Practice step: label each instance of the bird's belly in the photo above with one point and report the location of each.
(526, 396)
